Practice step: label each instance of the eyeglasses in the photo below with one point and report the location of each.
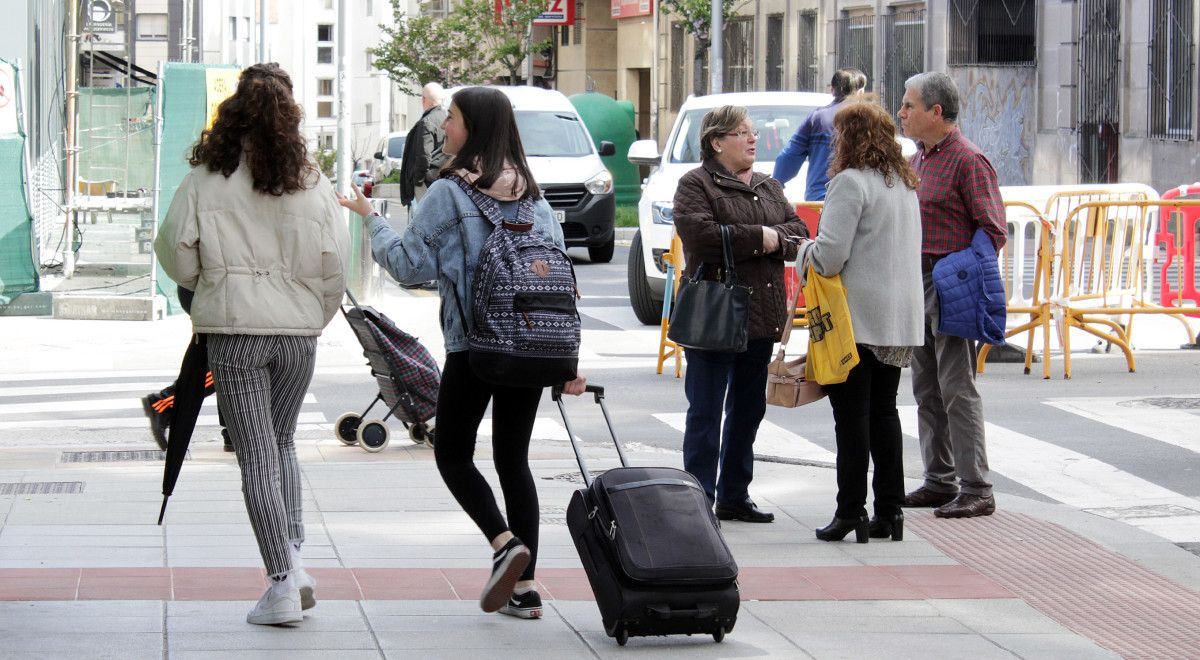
(743, 134)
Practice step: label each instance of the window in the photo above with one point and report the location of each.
(994, 32)
(856, 44)
(577, 29)
(370, 61)
(325, 32)
(368, 113)
(233, 28)
(774, 52)
(152, 27)
(246, 28)
(324, 54)
(329, 4)
(564, 35)
(1171, 76)
(678, 72)
(325, 141)
(806, 51)
(324, 109)
(701, 63)
(775, 125)
(325, 87)
(904, 30)
(739, 55)
(370, 8)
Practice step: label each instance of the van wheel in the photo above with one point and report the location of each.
(604, 253)
(646, 307)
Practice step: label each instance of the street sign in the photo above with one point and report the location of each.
(630, 8)
(99, 17)
(558, 12)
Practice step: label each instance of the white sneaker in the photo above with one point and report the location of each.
(280, 604)
(304, 582)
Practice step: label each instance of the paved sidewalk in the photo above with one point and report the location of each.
(88, 573)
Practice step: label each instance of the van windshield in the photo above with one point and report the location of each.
(552, 134)
(396, 146)
(775, 125)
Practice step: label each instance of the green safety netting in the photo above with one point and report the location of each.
(18, 273)
(185, 113)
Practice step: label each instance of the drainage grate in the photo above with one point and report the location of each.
(42, 488)
(1171, 402)
(112, 456)
(573, 477)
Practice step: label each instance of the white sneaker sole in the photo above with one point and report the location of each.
(500, 586)
(274, 618)
(522, 612)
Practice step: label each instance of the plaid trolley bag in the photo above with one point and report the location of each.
(408, 378)
(651, 548)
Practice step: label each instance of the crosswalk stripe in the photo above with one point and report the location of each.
(544, 428)
(772, 440)
(90, 388)
(1174, 427)
(1083, 482)
(89, 405)
(130, 422)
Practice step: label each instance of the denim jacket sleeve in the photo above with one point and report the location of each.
(412, 258)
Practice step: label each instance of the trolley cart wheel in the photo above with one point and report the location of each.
(429, 437)
(373, 436)
(346, 428)
(418, 432)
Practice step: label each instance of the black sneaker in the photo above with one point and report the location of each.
(507, 565)
(158, 422)
(524, 606)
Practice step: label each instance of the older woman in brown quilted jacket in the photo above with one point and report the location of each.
(725, 190)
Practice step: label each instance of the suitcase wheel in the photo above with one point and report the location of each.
(719, 635)
(622, 635)
(346, 428)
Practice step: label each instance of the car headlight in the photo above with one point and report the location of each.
(662, 213)
(600, 184)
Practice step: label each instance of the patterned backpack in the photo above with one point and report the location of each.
(526, 328)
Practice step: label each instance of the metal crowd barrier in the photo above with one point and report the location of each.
(668, 349)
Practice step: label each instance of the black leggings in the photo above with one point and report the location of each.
(462, 400)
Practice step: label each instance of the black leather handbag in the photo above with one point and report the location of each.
(712, 315)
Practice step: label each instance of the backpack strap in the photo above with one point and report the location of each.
(490, 208)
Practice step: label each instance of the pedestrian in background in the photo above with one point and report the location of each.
(725, 190)
(959, 194)
(813, 140)
(160, 406)
(424, 152)
(255, 231)
(444, 241)
(871, 235)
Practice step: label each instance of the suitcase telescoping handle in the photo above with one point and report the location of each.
(556, 393)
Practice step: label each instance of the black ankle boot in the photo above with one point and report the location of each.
(838, 528)
(884, 526)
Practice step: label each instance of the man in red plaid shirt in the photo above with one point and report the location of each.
(958, 195)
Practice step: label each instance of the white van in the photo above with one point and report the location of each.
(389, 154)
(567, 167)
(776, 115)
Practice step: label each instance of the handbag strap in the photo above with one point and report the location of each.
(787, 329)
(727, 255)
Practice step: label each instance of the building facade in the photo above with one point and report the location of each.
(1054, 91)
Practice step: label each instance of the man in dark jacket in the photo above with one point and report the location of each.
(423, 157)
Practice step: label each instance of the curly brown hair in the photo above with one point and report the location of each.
(261, 122)
(865, 138)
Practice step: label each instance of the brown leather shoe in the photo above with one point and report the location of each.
(925, 498)
(967, 505)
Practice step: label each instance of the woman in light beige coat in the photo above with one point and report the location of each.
(255, 231)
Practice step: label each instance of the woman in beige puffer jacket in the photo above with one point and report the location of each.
(256, 232)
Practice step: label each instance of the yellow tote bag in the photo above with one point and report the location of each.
(831, 350)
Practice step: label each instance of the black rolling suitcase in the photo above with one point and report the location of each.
(651, 548)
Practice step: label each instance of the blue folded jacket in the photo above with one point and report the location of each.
(971, 292)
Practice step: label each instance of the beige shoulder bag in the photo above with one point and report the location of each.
(786, 385)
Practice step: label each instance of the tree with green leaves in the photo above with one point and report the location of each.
(469, 46)
(697, 21)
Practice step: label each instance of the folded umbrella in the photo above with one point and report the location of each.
(189, 396)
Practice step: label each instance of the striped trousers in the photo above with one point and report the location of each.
(261, 381)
